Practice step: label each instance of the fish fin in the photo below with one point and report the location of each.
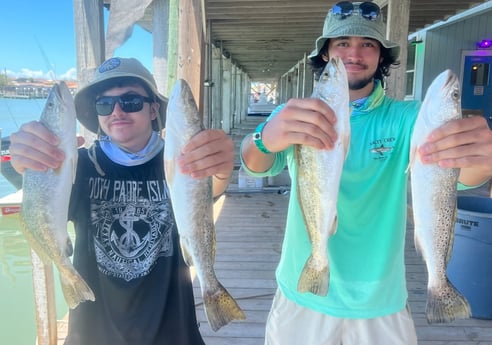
(297, 158)
(446, 304)
(334, 227)
(413, 156)
(416, 242)
(221, 308)
(451, 237)
(188, 259)
(346, 145)
(69, 247)
(169, 170)
(314, 280)
(74, 168)
(218, 204)
(74, 288)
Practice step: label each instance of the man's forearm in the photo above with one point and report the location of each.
(473, 177)
(253, 158)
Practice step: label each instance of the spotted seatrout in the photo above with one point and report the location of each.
(192, 202)
(434, 193)
(44, 214)
(318, 179)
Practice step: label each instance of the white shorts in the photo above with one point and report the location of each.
(291, 324)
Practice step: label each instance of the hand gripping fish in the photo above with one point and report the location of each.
(434, 193)
(318, 179)
(192, 202)
(44, 217)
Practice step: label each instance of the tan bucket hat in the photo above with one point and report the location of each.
(338, 24)
(110, 69)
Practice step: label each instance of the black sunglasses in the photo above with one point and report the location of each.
(128, 103)
(368, 10)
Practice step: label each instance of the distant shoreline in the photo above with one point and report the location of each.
(29, 88)
(14, 96)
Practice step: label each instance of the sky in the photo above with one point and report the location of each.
(37, 39)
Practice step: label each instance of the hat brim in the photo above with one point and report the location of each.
(394, 48)
(85, 106)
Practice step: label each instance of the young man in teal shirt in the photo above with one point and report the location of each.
(367, 298)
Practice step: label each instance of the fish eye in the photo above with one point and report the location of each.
(455, 94)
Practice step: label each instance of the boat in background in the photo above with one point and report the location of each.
(11, 204)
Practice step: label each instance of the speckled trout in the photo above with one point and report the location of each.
(44, 214)
(192, 202)
(434, 193)
(318, 179)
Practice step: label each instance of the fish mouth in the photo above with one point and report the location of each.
(60, 94)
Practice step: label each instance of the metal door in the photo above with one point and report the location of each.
(476, 84)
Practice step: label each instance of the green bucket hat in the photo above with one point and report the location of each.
(114, 68)
(340, 23)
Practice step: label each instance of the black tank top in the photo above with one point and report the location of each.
(127, 249)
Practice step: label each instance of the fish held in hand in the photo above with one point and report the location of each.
(192, 201)
(318, 179)
(434, 197)
(46, 195)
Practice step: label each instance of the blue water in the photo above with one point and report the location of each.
(17, 321)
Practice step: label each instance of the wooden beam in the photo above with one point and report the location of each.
(397, 31)
(89, 45)
(89, 37)
(160, 36)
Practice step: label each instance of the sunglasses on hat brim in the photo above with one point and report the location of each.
(367, 10)
(129, 103)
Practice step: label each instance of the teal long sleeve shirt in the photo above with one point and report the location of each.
(366, 254)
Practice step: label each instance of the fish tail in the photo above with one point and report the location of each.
(75, 289)
(314, 280)
(221, 308)
(446, 305)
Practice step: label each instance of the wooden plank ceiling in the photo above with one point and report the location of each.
(267, 38)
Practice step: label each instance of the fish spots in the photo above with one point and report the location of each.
(169, 168)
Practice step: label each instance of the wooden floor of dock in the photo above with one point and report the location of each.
(249, 238)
